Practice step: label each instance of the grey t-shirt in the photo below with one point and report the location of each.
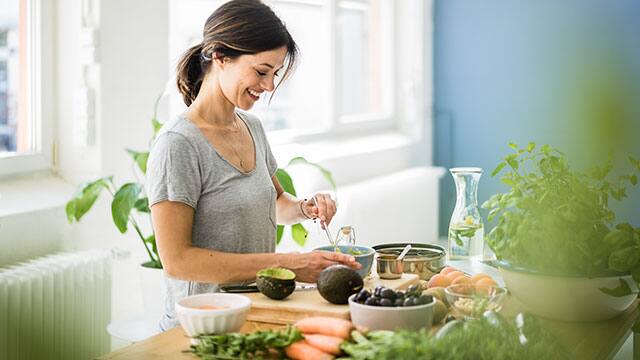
(234, 211)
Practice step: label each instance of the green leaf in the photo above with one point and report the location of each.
(140, 158)
(285, 180)
(123, 201)
(531, 146)
(634, 180)
(299, 234)
(619, 238)
(508, 181)
(498, 169)
(620, 291)
(325, 173)
(624, 259)
(85, 198)
(157, 125)
(279, 233)
(70, 209)
(635, 273)
(151, 240)
(142, 205)
(513, 145)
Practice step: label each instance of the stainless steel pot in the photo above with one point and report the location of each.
(425, 260)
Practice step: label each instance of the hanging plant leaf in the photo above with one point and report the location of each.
(279, 233)
(142, 205)
(285, 180)
(325, 173)
(123, 201)
(85, 198)
(299, 234)
(140, 158)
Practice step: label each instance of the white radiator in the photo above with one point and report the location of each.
(56, 307)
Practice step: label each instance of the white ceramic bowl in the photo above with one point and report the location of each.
(229, 318)
(568, 298)
(391, 318)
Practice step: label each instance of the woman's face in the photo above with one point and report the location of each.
(243, 80)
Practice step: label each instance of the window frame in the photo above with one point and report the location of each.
(40, 82)
(357, 124)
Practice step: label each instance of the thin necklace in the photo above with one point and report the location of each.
(235, 151)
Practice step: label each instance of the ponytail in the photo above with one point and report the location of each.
(190, 73)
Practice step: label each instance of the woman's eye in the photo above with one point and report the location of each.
(261, 73)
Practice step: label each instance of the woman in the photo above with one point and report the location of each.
(212, 188)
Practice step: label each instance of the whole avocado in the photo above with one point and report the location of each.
(337, 282)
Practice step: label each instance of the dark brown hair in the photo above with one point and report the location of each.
(236, 28)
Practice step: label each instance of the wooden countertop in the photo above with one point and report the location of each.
(597, 340)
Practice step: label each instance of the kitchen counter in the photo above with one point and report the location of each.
(598, 340)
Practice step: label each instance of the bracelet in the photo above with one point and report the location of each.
(302, 209)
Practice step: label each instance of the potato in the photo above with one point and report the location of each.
(439, 281)
(439, 311)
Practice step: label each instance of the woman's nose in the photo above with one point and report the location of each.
(267, 84)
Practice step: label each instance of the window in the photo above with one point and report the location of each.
(344, 81)
(25, 141)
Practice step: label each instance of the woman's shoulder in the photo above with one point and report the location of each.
(177, 131)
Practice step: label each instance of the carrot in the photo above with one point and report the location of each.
(301, 350)
(329, 344)
(325, 326)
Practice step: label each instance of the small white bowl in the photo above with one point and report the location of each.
(229, 318)
(391, 318)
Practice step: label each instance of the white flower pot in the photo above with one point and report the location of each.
(153, 293)
(568, 298)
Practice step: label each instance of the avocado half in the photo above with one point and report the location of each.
(276, 283)
(337, 282)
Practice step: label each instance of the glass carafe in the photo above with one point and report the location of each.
(466, 230)
(346, 236)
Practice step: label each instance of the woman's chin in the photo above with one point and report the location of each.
(245, 105)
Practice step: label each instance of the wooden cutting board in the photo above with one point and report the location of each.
(308, 302)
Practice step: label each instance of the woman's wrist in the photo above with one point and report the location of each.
(286, 261)
(301, 207)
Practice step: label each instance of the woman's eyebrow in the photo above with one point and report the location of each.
(269, 65)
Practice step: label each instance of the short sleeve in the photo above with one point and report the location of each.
(173, 171)
(272, 164)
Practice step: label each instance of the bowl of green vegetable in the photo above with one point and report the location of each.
(363, 254)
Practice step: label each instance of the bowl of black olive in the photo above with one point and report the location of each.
(383, 308)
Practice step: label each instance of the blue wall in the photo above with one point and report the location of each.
(565, 73)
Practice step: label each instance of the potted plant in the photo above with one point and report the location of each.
(559, 249)
(130, 205)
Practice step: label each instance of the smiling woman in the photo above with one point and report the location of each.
(214, 198)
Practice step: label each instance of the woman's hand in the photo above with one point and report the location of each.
(308, 266)
(320, 206)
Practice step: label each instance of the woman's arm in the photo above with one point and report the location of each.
(172, 223)
(290, 210)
